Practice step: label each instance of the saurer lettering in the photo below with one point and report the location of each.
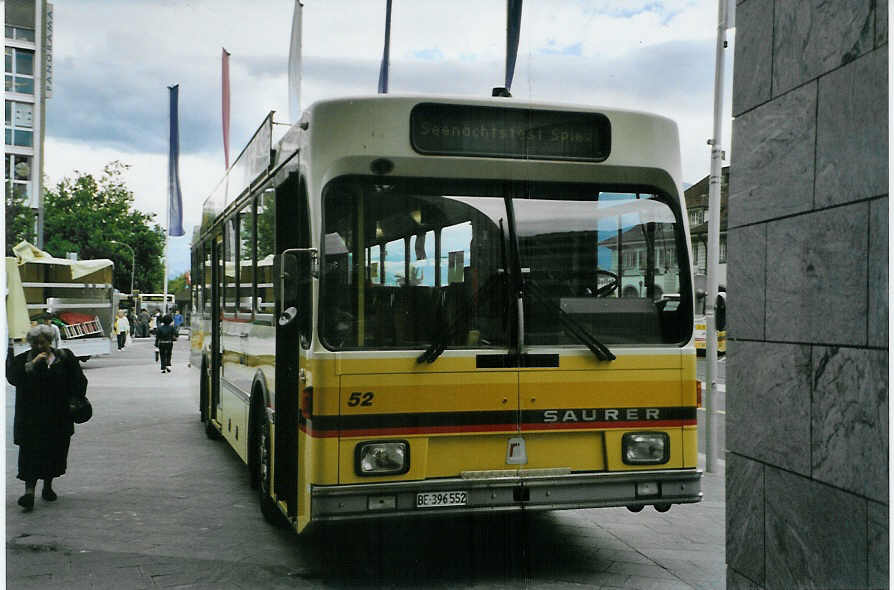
(601, 415)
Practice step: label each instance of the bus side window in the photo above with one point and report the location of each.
(264, 299)
(395, 263)
(456, 252)
(373, 264)
(231, 264)
(246, 262)
(205, 277)
(422, 254)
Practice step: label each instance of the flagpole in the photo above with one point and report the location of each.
(164, 276)
(725, 20)
(386, 52)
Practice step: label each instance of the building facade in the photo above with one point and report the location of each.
(807, 364)
(696, 197)
(28, 50)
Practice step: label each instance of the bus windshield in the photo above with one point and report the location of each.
(412, 261)
(604, 260)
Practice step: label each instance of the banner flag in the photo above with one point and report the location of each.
(295, 65)
(383, 70)
(175, 200)
(513, 28)
(225, 103)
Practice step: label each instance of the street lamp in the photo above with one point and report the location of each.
(132, 261)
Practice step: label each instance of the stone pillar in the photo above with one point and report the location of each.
(807, 368)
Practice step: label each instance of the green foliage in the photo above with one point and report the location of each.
(178, 284)
(85, 214)
(19, 218)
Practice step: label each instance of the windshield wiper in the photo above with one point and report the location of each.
(441, 338)
(580, 332)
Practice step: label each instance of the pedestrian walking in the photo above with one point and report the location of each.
(178, 319)
(165, 335)
(122, 327)
(45, 379)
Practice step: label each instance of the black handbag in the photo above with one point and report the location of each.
(79, 409)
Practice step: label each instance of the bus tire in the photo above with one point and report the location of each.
(261, 442)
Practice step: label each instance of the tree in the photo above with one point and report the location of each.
(178, 284)
(85, 214)
(19, 218)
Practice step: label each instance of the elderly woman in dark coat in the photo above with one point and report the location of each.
(45, 378)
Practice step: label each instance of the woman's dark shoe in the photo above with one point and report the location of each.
(27, 502)
(49, 495)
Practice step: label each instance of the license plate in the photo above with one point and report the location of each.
(439, 499)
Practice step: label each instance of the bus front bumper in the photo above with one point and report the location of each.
(483, 492)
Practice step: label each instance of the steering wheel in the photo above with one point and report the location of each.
(608, 288)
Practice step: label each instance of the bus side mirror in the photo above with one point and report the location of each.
(288, 316)
(297, 267)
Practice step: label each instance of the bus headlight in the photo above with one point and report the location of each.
(382, 458)
(645, 448)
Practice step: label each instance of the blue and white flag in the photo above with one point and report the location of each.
(175, 200)
(383, 70)
(513, 28)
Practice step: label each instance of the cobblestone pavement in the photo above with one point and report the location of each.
(150, 502)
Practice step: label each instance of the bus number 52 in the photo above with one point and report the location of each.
(361, 398)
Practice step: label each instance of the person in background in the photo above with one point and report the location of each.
(178, 319)
(165, 335)
(57, 335)
(122, 327)
(144, 324)
(45, 378)
(132, 320)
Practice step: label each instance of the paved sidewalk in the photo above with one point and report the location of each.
(149, 502)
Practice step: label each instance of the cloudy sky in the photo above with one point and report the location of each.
(113, 61)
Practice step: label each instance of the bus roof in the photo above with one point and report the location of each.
(361, 129)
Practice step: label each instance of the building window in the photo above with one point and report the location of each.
(695, 217)
(19, 69)
(20, 33)
(18, 176)
(19, 123)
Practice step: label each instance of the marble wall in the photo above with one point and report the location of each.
(807, 366)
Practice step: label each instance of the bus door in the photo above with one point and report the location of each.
(218, 280)
(293, 312)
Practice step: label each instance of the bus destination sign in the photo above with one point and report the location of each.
(496, 132)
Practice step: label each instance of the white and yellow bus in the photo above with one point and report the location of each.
(410, 306)
(155, 302)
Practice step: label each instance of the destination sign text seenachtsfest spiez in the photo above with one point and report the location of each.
(483, 131)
